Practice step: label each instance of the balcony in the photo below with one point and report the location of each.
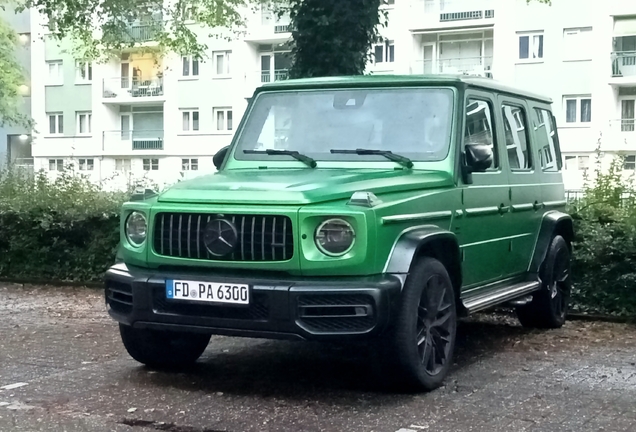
(146, 32)
(480, 66)
(269, 28)
(122, 142)
(435, 14)
(132, 90)
(24, 165)
(624, 67)
(138, 32)
(275, 75)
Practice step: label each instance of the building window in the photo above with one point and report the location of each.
(56, 124)
(151, 164)
(577, 43)
(223, 119)
(531, 46)
(629, 164)
(84, 123)
(122, 165)
(384, 53)
(221, 62)
(577, 163)
(83, 72)
(86, 164)
(190, 120)
(56, 164)
(578, 110)
(190, 164)
(190, 66)
(55, 72)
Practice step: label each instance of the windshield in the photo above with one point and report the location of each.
(413, 122)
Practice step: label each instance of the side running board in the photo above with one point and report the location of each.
(498, 296)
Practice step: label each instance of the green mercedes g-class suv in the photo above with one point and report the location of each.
(376, 207)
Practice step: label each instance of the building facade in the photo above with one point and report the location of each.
(15, 141)
(141, 116)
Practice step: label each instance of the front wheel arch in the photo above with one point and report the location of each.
(428, 241)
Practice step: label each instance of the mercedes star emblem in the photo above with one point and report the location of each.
(220, 237)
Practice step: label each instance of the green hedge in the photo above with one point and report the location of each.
(67, 230)
(604, 261)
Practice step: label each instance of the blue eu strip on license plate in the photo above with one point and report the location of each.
(211, 292)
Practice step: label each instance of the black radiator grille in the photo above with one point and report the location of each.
(260, 238)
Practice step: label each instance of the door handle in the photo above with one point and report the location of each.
(503, 208)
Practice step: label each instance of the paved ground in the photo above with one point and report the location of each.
(78, 378)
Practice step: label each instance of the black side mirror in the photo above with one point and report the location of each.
(478, 157)
(219, 157)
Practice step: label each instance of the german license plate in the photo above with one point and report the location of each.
(211, 292)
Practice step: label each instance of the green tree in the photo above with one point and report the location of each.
(11, 79)
(333, 37)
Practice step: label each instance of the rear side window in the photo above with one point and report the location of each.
(546, 134)
(516, 136)
(480, 126)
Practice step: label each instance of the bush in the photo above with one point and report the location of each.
(64, 230)
(603, 268)
(68, 230)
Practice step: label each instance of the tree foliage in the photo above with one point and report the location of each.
(101, 28)
(12, 77)
(330, 37)
(333, 37)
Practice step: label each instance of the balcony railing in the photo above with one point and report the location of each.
(624, 64)
(23, 165)
(133, 140)
(623, 125)
(455, 10)
(133, 32)
(132, 87)
(276, 75)
(481, 66)
(282, 28)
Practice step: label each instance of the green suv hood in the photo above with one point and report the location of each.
(303, 186)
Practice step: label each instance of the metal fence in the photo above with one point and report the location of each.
(575, 195)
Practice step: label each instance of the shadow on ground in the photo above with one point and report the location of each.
(294, 369)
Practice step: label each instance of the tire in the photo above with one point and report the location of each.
(421, 341)
(549, 306)
(162, 349)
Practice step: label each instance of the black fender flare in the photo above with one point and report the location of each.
(428, 240)
(119, 256)
(554, 223)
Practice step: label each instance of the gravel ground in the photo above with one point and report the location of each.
(66, 370)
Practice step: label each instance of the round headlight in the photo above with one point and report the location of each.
(136, 228)
(335, 237)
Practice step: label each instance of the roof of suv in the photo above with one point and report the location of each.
(401, 80)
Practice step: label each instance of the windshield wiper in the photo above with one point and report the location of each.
(298, 156)
(402, 160)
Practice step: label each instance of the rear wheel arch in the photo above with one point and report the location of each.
(554, 223)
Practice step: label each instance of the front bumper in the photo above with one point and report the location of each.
(280, 308)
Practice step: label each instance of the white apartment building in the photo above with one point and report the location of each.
(164, 119)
